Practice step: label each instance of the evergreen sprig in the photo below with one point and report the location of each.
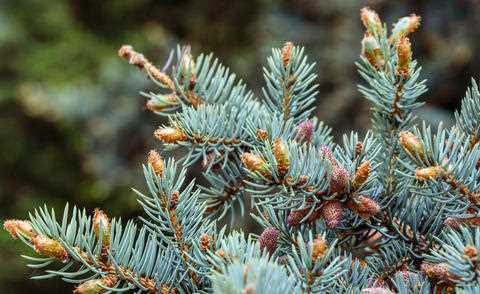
(392, 211)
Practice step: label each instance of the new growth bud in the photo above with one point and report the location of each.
(204, 242)
(269, 239)
(429, 173)
(101, 226)
(280, 152)
(188, 66)
(255, 163)
(371, 51)
(319, 247)
(371, 21)
(361, 175)
(262, 134)
(404, 57)
(162, 102)
(170, 135)
(15, 227)
(471, 252)
(167, 289)
(156, 161)
(49, 247)
(212, 160)
(95, 286)
(411, 143)
(364, 206)
(405, 26)
(287, 53)
(358, 148)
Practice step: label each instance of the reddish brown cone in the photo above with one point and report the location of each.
(332, 213)
(295, 217)
(339, 179)
(305, 131)
(376, 290)
(326, 152)
(437, 272)
(268, 239)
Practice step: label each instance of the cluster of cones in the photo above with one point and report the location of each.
(332, 211)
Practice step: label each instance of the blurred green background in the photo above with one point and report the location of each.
(74, 128)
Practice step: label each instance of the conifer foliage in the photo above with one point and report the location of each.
(393, 211)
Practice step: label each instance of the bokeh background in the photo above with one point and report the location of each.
(73, 127)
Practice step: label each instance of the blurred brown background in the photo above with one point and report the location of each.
(73, 126)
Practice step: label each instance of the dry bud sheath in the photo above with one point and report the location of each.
(156, 161)
(411, 143)
(287, 53)
(15, 227)
(255, 163)
(49, 247)
(280, 151)
(101, 226)
(170, 135)
(452, 222)
(137, 59)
